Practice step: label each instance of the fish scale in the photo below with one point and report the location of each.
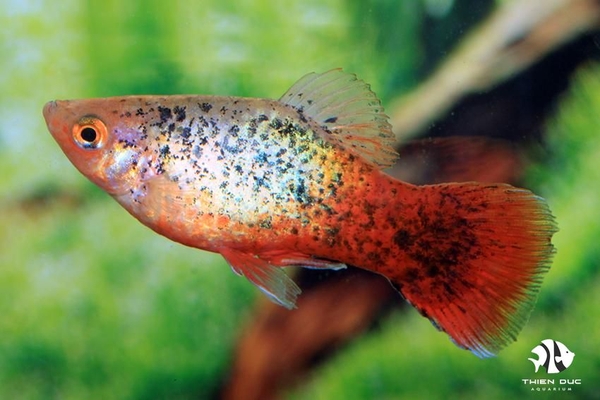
(268, 170)
(281, 173)
(299, 181)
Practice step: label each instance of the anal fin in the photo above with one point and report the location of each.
(297, 259)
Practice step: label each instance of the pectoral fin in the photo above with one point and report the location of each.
(271, 280)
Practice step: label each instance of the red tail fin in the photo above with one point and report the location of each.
(475, 259)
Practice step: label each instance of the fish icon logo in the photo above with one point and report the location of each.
(552, 355)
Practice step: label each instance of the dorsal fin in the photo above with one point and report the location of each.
(345, 106)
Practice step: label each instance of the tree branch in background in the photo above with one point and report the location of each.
(512, 39)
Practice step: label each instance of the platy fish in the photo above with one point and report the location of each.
(298, 182)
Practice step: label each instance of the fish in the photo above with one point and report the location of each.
(554, 356)
(300, 181)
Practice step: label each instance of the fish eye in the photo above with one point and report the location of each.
(90, 132)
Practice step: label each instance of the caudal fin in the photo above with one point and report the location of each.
(475, 259)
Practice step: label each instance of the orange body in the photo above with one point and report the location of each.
(298, 181)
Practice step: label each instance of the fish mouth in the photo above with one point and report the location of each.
(49, 109)
(57, 115)
(49, 113)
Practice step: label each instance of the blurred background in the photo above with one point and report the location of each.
(94, 305)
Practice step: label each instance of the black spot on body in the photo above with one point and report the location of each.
(231, 145)
(291, 128)
(369, 209)
(186, 132)
(202, 122)
(300, 192)
(197, 151)
(164, 150)
(330, 211)
(165, 114)
(179, 113)
(331, 120)
(260, 181)
(413, 275)
(262, 158)
(432, 270)
(276, 124)
(281, 152)
(266, 223)
(206, 107)
(332, 231)
(374, 256)
(449, 289)
(234, 130)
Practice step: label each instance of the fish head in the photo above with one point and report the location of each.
(101, 137)
(566, 355)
